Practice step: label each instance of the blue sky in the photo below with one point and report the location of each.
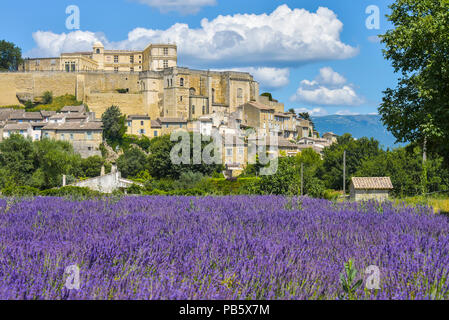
(312, 55)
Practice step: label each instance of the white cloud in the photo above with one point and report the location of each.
(268, 78)
(328, 88)
(346, 113)
(317, 112)
(182, 6)
(283, 38)
(330, 77)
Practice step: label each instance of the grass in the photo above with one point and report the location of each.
(57, 104)
(440, 203)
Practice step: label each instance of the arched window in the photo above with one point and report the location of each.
(213, 95)
(168, 82)
(98, 51)
(181, 82)
(193, 109)
(192, 91)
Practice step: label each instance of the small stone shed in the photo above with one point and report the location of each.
(377, 188)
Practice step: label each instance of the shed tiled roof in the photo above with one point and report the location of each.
(372, 183)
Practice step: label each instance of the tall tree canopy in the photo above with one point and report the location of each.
(418, 47)
(114, 123)
(10, 56)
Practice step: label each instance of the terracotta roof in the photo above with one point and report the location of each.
(172, 120)
(372, 183)
(75, 126)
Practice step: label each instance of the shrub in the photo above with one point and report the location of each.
(20, 191)
(71, 191)
(47, 98)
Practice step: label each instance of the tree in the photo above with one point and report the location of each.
(356, 152)
(47, 98)
(16, 160)
(291, 110)
(54, 159)
(132, 162)
(160, 164)
(306, 116)
(10, 56)
(418, 108)
(114, 124)
(405, 169)
(91, 167)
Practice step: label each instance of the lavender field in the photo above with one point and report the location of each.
(262, 247)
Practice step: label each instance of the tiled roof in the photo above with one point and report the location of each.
(155, 124)
(21, 115)
(139, 117)
(47, 113)
(80, 108)
(372, 183)
(17, 126)
(75, 126)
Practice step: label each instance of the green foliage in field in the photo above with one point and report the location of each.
(56, 103)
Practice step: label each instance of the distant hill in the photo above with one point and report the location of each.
(359, 126)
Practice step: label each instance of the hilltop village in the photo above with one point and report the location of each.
(157, 96)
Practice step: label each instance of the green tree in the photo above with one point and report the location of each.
(47, 98)
(132, 162)
(160, 164)
(418, 108)
(114, 123)
(356, 152)
(10, 56)
(91, 167)
(16, 160)
(54, 159)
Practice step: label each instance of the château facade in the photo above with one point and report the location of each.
(155, 57)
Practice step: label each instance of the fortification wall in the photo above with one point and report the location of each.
(128, 103)
(97, 89)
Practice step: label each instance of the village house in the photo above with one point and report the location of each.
(370, 188)
(85, 137)
(138, 125)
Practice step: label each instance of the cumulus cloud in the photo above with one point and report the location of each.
(328, 88)
(280, 39)
(268, 78)
(317, 112)
(182, 6)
